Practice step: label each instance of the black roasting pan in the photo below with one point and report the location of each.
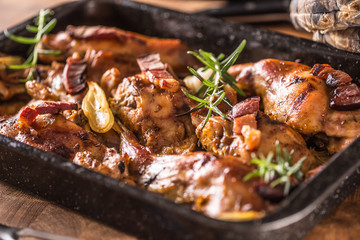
(148, 215)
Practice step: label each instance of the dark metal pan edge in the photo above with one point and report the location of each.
(212, 222)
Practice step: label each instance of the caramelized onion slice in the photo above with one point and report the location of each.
(96, 109)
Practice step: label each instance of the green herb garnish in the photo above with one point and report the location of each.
(211, 93)
(43, 25)
(277, 170)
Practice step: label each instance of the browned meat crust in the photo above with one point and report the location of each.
(100, 38)
(292, 94)
(207, 182)
(57, 135)
(148, 104)
(218, 136)
(150, 112)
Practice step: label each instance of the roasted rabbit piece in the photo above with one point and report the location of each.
(210, 183)
(148, 103)
(68, 82)
(62, 83)
(318, 101)
(98, 62)
(40, 126)
(207, 182)
(130, 45)
(249, 131)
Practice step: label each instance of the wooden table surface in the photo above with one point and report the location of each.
(23, 210)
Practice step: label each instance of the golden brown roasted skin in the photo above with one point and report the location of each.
(51, 87)
(98, 62)
(57, 135)
(291, 94)
(150, 112)
(207, 182)
(119, 42)
(218, 137)
(104, 68)
(40, 91)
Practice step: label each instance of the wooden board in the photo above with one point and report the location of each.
(24, 210)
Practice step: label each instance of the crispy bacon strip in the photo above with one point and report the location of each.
(245, 124)
(150, 62)
(121, 43)
(333, 78)
(88, 33)
(54, 107)
(338, 78)
(321, 70)
(74, 74)
(28, 114)
(346, 95)
(240, 122)
(157, 72)
(346, 98)
(248, 106)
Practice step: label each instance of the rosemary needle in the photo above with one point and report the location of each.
(211, 92)
(278, 169)
(42, 26)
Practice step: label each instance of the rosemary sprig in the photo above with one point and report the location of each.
(211, 93)
(277, 169)
(42, 26)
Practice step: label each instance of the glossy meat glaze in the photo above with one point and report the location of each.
(153, 144)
